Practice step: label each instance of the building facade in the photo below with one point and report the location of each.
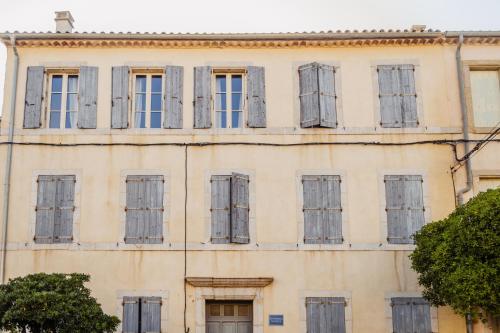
(243, 182)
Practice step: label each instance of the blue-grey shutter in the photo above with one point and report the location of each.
(402, 320)
(202, 97)
(153, 216)
(389, 95)
(33, 98)
(119, 97)
(256, 96)
(421, 313)
(64, 209)
(397, 224)
(327, 96)
(414, 202)
(130, 322)
(313, 308)
(408, 95)
(135, 210)
(332, 210)
(240, 208)
(45, 209)
(309, 95)
(174, 82)
(151, 315)
(220, 209)
(325, 315)
(87, 97)
(313, 213)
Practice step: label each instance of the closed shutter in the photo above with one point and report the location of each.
(421, 313)
(153, 216)
(313, 203)
(64, 209)
(256, 96)
(415, 204)
(239, 208)
(151, 315)
(130, 322)
(220, 209)
(309, 95)
(402, 321)
(408, 95)
(313, 309)
(45, 209)
(202, 97)
(174, 82)
(87, 90)
(135, 210)
(332, 210)
(120, 97)
(327, 96)
(34, 97)
(389, 95)
(397, 224)
(325, 314)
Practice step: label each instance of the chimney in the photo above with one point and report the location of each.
(418, 28)
(64, 21)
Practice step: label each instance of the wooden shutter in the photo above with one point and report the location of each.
(120, 97)
(397, 228)
(327, 96)
(421, 315)
(87, 97)
(174, 82)
(240, 208)
(45, 209)
(130, 322)
(313, 309)
(33, 98)
(64, 209)
(202, 97)
(325, 314)
(256, 96)
(135, 210)
(408, 95)
(414, 202)
(313, 204)
(151, 315)
(309, 95)
(332, 210)
(389, 95)
(220, 209)
(402, 321)
(153, 215)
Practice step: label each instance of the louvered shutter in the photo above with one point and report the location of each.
(389, 95)
(135, 210)
(151, 315)
(220, 209)
(408, 95)
(202, 97)
(240, 209)
(256, 96)
(34, 97)
(174, 82)
(45, 209)
(87, 97)
(332, 210)
(421, 314)
(402, 320)
(130, 322)
(153, 215)
(313, 213)
(120, 97)
(397, 225)
(309, 95)
(327, 96)
(64, 209)
(313, 308)
(414, 202)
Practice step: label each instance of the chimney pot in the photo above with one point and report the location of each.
(64, 21)
(418, 27)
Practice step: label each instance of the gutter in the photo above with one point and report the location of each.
(8, 161)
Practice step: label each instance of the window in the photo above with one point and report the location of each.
(229, 100)
(144, 210)
(63, 105)
(322, 210)
(488, 182)
(54, 209)
(410, 314)
(485, 89)
(229, 316)
(325, 314)
(141, 314)
(230, 209)
(148, 100)
(397, 95)
(404, 207)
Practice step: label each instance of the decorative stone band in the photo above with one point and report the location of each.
(211, 282)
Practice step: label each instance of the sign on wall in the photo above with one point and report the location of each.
(276, 320)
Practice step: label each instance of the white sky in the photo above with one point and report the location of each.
(248, 16)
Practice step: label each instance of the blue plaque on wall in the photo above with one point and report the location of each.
(276, 320)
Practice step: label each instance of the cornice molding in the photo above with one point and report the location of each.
(211, 282)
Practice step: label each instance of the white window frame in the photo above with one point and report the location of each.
(388, 310)
(120, 294)
(65, 73)
(149, 74)
(229, 111)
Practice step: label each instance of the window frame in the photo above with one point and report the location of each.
(303, 295)
(149, 73)
(229, 72)
(163, 294)
(65, 73)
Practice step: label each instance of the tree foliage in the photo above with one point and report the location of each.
(458, 258)
(52, 303)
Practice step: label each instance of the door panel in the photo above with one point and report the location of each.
(228, 317)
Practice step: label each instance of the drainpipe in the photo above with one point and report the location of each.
(8, 161)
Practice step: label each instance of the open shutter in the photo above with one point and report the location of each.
(87, 104)
(397, 226)
(64, 209)
(174, 81)
(389, 95)
(414, 202)
(408, 95)
(402, 321)
(313, 221)
(34, 97)
(313, 308)
(332, 210)
(202, 97)
(119, 97)
(332, 315)
(327, 96)
(309, 95)
(256, 96)
(130, 322)
(421, 313)
(45, 209)
(151, 315)
(153, 223)
(220, 209)
(240, 208)
(135, 210)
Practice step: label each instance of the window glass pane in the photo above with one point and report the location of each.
(70, 119)
(228, 310)
(237, 101)
(155, 102)
(236, 119)
(55, 119)
(140, 102)
(57, 83)
(71, 101)
(55, 101)
(155, 119)
(72, 83)
(220, 102)
(236, 83)
(156, 83)
(220, 120)
(220, 83)
(140, 120)
(140, 83)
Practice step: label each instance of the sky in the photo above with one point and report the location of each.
(249, 16)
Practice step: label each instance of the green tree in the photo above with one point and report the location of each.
(52, 303)
(458, 258)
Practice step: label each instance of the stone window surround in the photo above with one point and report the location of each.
(483, 173)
